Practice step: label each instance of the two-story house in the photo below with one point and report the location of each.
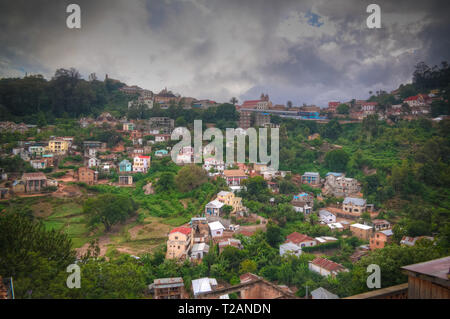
(179, 243)
(141, 164)
(228, 198)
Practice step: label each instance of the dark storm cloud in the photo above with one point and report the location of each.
(304, 51)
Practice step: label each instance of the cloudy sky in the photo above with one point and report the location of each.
(304, 51)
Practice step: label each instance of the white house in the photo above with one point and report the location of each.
(290, 248)
(300, 240)
(213, 208)
(91, 152)
(216, 229)
(93, 162)
(199, 250)
(326, 217)
(212, 163)
(38, 164)
(325, 267)
(162, 138)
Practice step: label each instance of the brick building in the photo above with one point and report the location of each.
(380, 239)
(87, 175)
(361, 231)
(168, 288)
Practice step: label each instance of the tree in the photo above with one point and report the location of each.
(255, 185)
(190, 177)
(32, 255)
(287, 187)
(41, 120)
(227, 209)
(92, 77)
(248, 266)
(289, 104)
(118, 278)
(165, 183)
(370, 125)
(109, 209)
(332, 129)
(233, 100)
(405, 108)
(337, 160)
(273, 234)
(343, 109)
(440, 108)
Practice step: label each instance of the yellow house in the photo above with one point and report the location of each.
(179, 243)
(58, 146)
(229, 199)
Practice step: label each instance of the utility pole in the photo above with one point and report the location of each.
(306, 296)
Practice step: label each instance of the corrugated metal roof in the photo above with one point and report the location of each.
(203, 285)
(168, 282)
(438, 268)
(361, 226)
(322, 293)
(355, 201)
(216, 226)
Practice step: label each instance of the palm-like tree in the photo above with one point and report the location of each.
(234, 100)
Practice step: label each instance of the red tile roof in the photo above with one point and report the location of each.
(333, 104)
(297, 238)
(327, 264)
(251, 103)
(412, 98)
(183, 230)
(234, 173)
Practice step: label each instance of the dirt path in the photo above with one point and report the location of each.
(253, 228)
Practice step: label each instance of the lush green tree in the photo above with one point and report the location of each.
(248, 266)
(337, 160)
(109, 209)
(370, 125)
(273, 234)
(120, 278)
(255, 186)
(32, 255)
(343, 109)
(190, 177)
(287, 187)
(332, 129)
(165, 183)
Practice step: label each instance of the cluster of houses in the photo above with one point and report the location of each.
(12, 127)
(96, 157)
(192, 242)
(164, 99)
(410, 107)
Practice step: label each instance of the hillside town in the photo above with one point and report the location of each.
(324, 219)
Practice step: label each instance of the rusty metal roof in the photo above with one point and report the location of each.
(438, 268)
